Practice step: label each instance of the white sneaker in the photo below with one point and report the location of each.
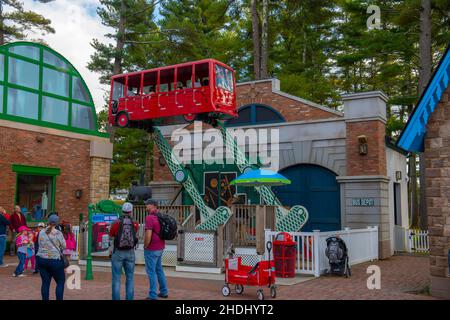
(4, 265)
(21, 275)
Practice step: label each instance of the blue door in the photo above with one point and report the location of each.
(316, 189)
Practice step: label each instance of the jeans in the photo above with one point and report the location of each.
(155, 272)
(20, 267)
(125, 259)
(51, 268)
(2, 247)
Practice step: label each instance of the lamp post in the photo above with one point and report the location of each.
(89, 274)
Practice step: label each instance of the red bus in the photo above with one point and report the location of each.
(175, 94)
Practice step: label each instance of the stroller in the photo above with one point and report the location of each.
(337, 255)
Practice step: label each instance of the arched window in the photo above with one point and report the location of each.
(39, 86)
(253, 114)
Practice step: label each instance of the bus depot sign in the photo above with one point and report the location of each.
(363, 202)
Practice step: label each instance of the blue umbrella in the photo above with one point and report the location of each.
(260, 177)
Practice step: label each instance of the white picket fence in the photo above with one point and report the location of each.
(362, 245)
(411, 240)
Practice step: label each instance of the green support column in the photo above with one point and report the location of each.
(89, 274)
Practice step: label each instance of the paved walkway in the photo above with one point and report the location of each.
(401, 277)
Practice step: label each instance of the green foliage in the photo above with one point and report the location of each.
(319, 49)
(17, 21)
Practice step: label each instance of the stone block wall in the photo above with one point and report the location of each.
(100, 174)
(437, 168)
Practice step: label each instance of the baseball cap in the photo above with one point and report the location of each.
(127, 207)
(53, 219)
(41, 225)
(150, 201)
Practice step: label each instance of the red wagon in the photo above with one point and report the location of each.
(261, 275)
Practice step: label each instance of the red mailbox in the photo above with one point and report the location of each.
(285, 255)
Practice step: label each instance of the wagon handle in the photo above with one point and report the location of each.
(269, 246)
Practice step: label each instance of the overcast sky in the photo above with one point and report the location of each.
(76, 23)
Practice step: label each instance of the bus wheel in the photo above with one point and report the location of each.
(122, 120)
(190, 117)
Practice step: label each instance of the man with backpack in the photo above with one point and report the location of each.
(124, 231)
(158, 228)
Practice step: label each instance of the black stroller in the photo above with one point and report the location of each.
(337, 255)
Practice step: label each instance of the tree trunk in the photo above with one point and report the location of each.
(2, 32)
(148, 171)
(424, 77)
(117, 69)
(256, 42)
(265, 40)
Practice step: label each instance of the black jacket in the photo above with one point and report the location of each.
(4, 223)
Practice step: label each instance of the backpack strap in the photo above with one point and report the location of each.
(119, 232)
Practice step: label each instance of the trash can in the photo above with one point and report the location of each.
(285, 255)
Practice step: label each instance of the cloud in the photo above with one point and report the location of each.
(76, 24)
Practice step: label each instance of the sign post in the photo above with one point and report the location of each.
(89, 274)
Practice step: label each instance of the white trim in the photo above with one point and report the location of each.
(310, 103)
(198, 269)
(375, 178)
(50, 131)
(361, 119)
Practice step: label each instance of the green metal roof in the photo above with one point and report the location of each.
(39, 86)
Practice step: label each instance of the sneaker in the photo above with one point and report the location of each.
(21, 275)
(4, 265)
(164, 296)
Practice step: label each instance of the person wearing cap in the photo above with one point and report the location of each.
(4, 223)
(49, 262)
(22, 243)
(123, 258)
(153, 250)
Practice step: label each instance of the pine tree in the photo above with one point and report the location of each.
(134, 31)
(15, 21)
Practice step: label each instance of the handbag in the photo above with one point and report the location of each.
(63, 257)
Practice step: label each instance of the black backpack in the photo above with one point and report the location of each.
(169, 228)
(335, 250)
(126, 238)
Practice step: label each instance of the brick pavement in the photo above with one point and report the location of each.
(400, 275)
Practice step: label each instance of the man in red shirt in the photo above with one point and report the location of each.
(17, 220)
(124, 231)
(153, 250)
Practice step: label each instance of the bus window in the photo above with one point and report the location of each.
(224, 78)
(150, 81)
(201, 75)
(134, 85)
(118, 88)
(184, 76)
(166, 80)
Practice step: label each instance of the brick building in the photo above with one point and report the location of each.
(320, 151)
(52, 156)
(428, 131)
